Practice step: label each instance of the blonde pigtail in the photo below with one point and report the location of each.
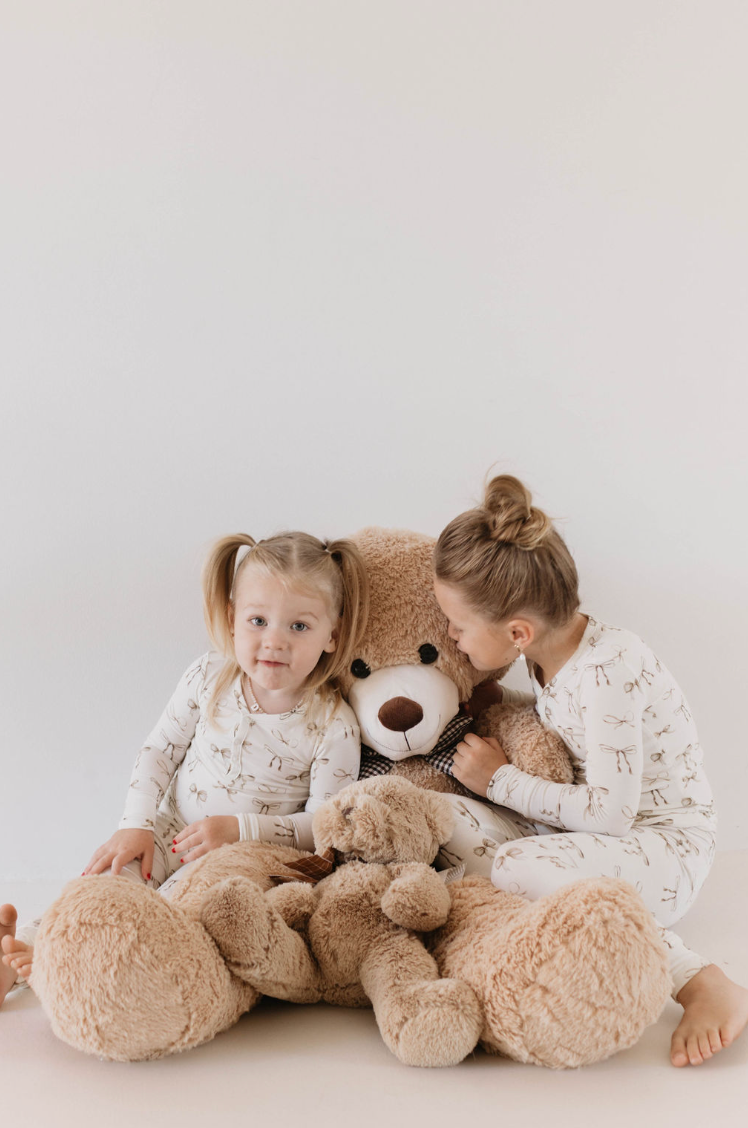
(219, 573)
(355, 605)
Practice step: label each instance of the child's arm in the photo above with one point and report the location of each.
(337, 758)
(609, 800)
(164, 750)
(155, 765)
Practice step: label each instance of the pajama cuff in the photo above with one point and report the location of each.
(683, 963)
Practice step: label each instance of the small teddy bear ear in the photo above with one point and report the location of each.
(439, 816)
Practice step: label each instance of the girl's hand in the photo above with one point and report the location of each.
(204, 835)
(123, 847)
(476, 760)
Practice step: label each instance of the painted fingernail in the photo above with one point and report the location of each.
(181, 859)
(173, 850)
(148, 878)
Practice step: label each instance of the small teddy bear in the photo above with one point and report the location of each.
(353, 939)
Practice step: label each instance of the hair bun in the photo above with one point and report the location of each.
(510, 515)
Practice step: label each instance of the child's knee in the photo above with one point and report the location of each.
(515, 869)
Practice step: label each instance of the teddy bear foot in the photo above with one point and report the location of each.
(443, 1024)
(257, 944)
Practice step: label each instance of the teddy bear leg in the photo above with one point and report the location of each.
(564, 981)
(423, 1019)
(257, 944)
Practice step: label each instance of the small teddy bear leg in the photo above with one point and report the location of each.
(424, 1020)
(257, 944)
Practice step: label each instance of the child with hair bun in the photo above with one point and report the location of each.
(641, 806)
(256, 735)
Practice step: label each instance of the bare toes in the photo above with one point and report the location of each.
(8, 917)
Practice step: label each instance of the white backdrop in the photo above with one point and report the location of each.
(321, 264)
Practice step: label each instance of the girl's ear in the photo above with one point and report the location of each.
(333, 643)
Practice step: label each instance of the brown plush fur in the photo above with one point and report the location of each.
(581, 972)
(360, 944)
(403, 615)
(562, 982)
(126, 975)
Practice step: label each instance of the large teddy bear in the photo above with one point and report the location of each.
(124, 974)
(409, 683)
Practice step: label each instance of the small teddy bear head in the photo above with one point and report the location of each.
(384, 819)
(408, 677)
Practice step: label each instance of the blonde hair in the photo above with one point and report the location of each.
(334, 570)
(505, 557)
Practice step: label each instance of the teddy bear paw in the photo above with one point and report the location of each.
(443, 1026)
(237, 916)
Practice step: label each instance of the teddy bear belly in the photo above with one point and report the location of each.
(347, 924)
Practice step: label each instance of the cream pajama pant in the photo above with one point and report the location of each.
(666, 865)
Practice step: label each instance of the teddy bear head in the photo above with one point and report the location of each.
(408, 678)
(384, 819)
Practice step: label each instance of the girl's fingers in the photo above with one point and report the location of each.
(120, 860)
(100, 865)
(194, 854)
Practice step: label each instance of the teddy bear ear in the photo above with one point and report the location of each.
(439, 816)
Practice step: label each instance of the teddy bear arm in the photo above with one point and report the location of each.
(257, 943)
(294, 900)
(417, 898)
(528, 744)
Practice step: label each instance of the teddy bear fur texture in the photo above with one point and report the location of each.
(561, 982)
(127, 975)
(358, 940)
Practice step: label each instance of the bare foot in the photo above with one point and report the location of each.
(8, 918)
(715, 1012)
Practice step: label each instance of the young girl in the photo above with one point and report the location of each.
(640, 807)
(256, 735)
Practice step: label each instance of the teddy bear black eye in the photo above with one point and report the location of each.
(359, 669)
(428, 653)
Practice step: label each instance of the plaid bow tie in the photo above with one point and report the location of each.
(309, 870)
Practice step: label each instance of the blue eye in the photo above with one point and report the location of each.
(257, 621)
(299, 627)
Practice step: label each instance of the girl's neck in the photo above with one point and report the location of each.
(270, 701)
(552, 651)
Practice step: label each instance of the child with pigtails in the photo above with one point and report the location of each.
(256, 735)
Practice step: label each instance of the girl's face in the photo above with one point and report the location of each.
(489, 646)
(279, 633)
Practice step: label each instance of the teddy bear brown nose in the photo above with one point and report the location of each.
(400, 714)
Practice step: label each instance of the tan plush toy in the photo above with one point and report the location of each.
(409, 680)
(126, 975)
(361, 924)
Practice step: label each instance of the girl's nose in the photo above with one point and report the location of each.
(273, 639)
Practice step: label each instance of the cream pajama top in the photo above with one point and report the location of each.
(271, 770)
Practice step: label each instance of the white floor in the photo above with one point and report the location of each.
(321, 1065)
